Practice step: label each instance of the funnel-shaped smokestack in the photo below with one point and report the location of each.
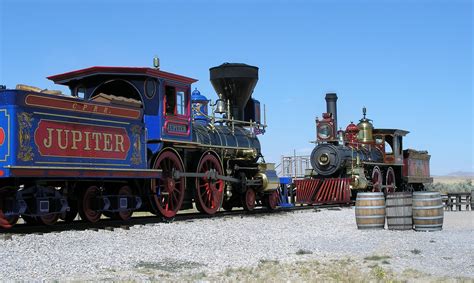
(331, 106)
(234, 82)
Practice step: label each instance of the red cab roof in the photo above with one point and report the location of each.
(65, 78)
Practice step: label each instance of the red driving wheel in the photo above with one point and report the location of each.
(390, 185)
(376, 179)
(168, 193)
(209, 191)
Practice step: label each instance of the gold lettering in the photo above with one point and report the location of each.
(47, 142)
(61, 140)
(87, 134)
(95, 108)
(84, 107)
(119, 143)
(107, 142)
(76, 137)
(97, 137)
(74, 106)
(106, 110)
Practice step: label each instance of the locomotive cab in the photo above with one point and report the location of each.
(390, 143)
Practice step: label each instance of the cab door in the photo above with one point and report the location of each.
(176, 113)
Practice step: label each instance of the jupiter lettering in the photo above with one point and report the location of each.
(55, 138)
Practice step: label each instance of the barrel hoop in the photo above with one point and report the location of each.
(408, 216)
(400, 227)
(399, 205)
(427, 199)
(428, 207)
(369, 216)
(370, 225)
(370, 194)
(425, 193)
(370, 207)
(379, 198)
(428, 226)
(404, 197)
(428, 217)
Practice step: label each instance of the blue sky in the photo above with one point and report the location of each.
(409, 62)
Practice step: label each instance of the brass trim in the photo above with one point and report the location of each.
(81, 118)
(82, 168)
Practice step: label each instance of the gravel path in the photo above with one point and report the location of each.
(213, 246)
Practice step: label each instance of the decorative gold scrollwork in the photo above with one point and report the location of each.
(137, 145)
(25, 121)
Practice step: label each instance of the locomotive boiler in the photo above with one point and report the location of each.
(360, 157)
(132, 139)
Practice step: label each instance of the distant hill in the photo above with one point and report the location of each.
(461, 174)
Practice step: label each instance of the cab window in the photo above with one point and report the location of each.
(170, 93)
(180, 103)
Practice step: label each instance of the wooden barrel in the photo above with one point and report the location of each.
(370, 210)
(427, 211)
(399, 211)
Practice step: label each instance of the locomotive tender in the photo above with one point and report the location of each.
(359, 158)
(132, 139)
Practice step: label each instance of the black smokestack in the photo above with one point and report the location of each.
(331, 106)
(234, 82)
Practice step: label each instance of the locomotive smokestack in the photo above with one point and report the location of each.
(234, 82)
(331, 106)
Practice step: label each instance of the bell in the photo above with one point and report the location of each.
(220, 106)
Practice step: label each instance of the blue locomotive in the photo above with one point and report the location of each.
(132, 139)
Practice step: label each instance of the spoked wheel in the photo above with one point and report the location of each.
(390, 181)
(248, 200)
(87, 211)
(124, 215)
(376, 179)
(49, 219)
(209, 191)
(168, 193)
(271, 200)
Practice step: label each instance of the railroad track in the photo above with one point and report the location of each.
(111, 224)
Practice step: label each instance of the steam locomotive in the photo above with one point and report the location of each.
(132, 139)
(359, 158)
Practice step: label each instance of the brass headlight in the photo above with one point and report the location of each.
(323, 159)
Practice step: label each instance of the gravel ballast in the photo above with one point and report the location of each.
(209, 247)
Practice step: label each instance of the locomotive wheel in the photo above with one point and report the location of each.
(209, 192)
(248, 200)
(124, 215)
(271, 200)
(86, 205)
(49, 219)
(376, 179)
(10, 220)
(390, 181)
(4, 222)
(168, 193)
